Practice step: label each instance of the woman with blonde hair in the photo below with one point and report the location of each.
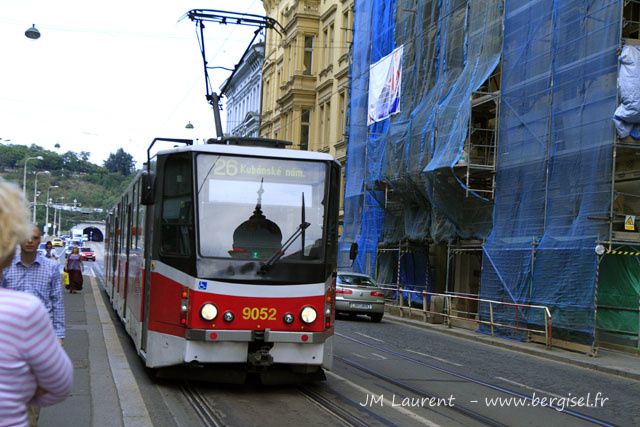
(35, 369)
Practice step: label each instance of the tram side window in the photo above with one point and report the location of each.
(177, 209)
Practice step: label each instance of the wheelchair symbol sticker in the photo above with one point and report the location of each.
(202, 285)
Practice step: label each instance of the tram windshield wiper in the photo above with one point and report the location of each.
(300, 231)
(266, 266)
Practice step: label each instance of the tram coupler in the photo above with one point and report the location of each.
(260, 358)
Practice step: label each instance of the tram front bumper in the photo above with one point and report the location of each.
(169, 350)
(269, 336)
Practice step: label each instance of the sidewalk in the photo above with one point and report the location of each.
(608, 361)
(95, 399)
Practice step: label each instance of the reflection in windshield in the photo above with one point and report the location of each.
(246, 205)
(257, 236)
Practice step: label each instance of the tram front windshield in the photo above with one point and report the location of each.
(252, 208)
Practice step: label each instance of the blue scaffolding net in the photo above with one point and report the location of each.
(555, 141)
(450, 47)
(553, 181)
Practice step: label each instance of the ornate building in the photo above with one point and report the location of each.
(243, 94)
(305, 74)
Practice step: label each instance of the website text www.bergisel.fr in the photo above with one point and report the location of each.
(559, 403)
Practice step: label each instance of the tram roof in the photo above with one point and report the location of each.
(250, 151)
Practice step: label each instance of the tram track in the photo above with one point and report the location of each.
(464, 411)
(474, 415)
(207, 413)
(210, 417)
(330, 407)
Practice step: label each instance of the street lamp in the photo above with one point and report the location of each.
(35, 192)
(32, 33)
(60, 216)
(24, 179)
(46, 223)
(189, 126)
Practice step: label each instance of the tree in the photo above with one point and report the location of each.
(120, 162)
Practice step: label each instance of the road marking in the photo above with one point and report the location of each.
(529, 388)
(134, 411)
(387, 402)
(369, 358)
(360, 356)
(367, 336)
(434, 357)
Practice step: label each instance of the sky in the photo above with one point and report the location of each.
(104, 76)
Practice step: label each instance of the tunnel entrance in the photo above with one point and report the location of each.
(94, 234)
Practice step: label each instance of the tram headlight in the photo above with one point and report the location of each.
(288, 318)
(208, 311)
(308, 314)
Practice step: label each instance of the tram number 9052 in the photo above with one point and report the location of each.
(262, 313)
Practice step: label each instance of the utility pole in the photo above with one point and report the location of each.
(35, 192)
(24, 179)
(46, 222)
(60, 217)
(55, 224)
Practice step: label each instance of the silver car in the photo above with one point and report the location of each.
(359, 294)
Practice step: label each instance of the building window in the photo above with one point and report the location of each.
(267, 91)
(342, 117)
(305, 124)
(321, 129)
(327, 124)
(346, 31)
(331, 45)
(287, 68)
(325, 45)
(308, 54)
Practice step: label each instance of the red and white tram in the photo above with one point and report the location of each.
(225, 257)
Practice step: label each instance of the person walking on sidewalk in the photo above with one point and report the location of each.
(74, 268)
(32, 272)
(34, 368)
(48, 247)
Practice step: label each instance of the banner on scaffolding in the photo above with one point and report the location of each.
(385, 78)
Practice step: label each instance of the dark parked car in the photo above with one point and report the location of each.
(359, 294)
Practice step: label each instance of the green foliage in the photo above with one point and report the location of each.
(92, 186)
(120, 162)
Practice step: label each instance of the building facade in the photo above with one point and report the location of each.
(306, 74)
(243, 94)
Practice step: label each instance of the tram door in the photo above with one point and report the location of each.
(115, 248)
(146, 286)
(126, 259)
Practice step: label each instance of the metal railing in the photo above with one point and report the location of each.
(449, 312)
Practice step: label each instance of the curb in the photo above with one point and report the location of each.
(516, 346)
(133, 409)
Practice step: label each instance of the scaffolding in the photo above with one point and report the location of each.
(505, 149)
(618, 290)
(478, 160)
